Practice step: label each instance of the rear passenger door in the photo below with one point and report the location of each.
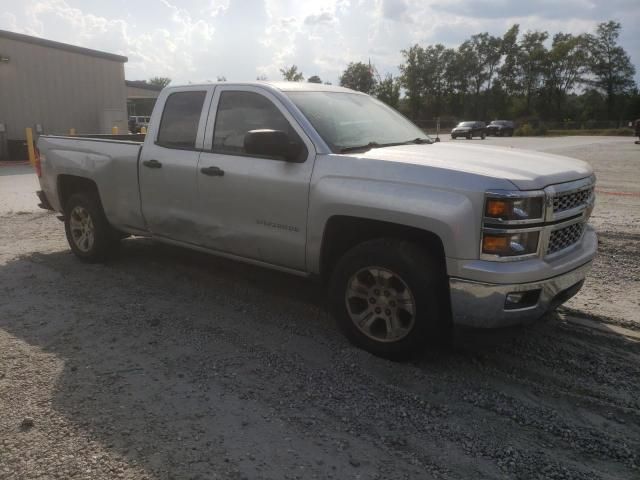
(168, 166)
(256, 206)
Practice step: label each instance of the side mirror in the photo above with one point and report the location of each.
(273, 143)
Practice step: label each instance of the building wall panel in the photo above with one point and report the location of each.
(58, 89)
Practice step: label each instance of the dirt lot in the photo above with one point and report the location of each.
(170, 364)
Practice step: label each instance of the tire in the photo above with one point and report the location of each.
(470, 136)
(453, 137)
(89, 234)
(358, 289)
(483, 136)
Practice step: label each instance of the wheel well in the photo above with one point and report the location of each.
(71, 184)
(344, 232)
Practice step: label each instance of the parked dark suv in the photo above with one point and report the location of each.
(501, 128)
(469, 130)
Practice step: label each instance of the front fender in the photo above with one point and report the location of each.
(449, 214)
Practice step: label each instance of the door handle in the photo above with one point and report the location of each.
(152, 163)
(213, 171)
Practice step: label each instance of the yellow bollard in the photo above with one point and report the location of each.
(143, 130)
(114, 130)
(30, 149)
(72, 132)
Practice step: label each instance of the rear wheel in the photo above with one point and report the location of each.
(384, 296)
(89, 234)
(482, 136)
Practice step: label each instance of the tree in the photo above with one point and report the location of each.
(411, 78)
(609, 63)
(457, 82)
(291, 74)
(482, 53)
(314, 79)
(159, 81)
(435, 60)
(388, 90)
(565, 68)
(261, 78)
(530, 63)
(358, 76)
(507, 73)
(221, 78)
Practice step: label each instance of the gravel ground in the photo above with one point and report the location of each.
(170, 364)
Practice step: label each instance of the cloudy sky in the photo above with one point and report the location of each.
(198, 40)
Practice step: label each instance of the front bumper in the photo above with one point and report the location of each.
(483, 305)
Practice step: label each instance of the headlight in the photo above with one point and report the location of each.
(507, 208)
(510, 244)
(512, 222)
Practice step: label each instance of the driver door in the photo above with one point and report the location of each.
(253, 206)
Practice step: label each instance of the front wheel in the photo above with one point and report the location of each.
(88, 231)
(384, 296)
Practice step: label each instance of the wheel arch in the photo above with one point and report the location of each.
(343, 232)
(68, 185)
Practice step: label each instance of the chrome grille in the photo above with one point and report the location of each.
(564, 237)
(567, 201)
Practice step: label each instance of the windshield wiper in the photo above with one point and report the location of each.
(368, 146)
(419, 141)
(371, 145)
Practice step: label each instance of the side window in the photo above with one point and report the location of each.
(239, 113)
(180, 118)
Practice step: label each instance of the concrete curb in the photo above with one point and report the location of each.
(13, 163)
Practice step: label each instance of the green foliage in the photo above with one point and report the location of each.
(528, 130)
(159, 81)
(411, 78)
(609, 63)
(314, 79)
(619, 132)
(358, 76)
(291, 74)
(388, 91)
(521, 76)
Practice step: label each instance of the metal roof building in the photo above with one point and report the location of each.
(141, 97)
(52, 87)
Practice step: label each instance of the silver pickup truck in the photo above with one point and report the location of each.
(411, 236)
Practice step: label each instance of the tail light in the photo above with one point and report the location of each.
(37, 165)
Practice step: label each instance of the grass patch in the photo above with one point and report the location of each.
(621, 132)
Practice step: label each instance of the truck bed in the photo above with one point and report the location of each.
(107, 161)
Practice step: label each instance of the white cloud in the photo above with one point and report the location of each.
(197, 40)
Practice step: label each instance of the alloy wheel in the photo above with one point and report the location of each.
(82, 229)
(380, 304)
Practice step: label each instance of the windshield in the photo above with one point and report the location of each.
(346, 121)
(465, 124)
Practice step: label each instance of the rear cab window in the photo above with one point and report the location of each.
(180, 119)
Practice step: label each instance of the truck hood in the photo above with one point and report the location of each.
(527, 170)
